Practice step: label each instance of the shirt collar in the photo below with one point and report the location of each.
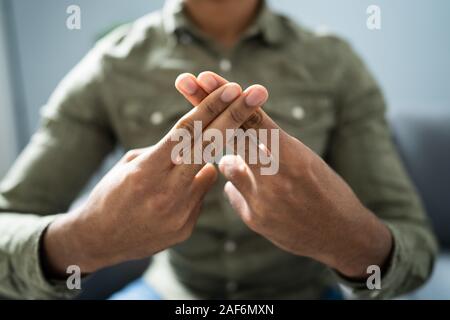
(267, 23)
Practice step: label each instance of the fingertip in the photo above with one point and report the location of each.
(235, 86)
(207, 81)
(228, 187)
(231, 92)
(210, 81)
(226, 160)
(209, 167)
(230, 164)
(186, 83)
(258, 87)
(256, 95)
(208, 172)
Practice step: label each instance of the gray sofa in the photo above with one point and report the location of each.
(423, 140)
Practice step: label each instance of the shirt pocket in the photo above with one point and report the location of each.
(144, 122)
(308, 115)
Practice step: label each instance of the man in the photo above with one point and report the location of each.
(295, 234)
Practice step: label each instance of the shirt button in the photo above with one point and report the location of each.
(131, 109)
(298, 112)
(231, 286)
(185, 38)
(225, 65)
(230, 246)
(156, 118)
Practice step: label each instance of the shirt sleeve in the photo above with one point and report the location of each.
(363, 153)
(73, 139)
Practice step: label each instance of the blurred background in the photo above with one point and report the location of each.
(410, 56)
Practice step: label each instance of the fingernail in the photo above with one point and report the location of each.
(226, 163)
(256, 96)
(187, 85)
(207, 81)
(230, 93)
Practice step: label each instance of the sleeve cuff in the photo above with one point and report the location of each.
(32, 282)
(392, 276)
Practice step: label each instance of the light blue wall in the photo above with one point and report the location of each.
(48, 50)
(8, 145)
(410, 55)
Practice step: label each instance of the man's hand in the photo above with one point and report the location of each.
(146, 203)
(306, 209)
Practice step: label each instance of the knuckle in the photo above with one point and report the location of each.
(211, 108)
(186, 233)
(206, 144)
(236, 116)
(254, 120)
(251, 220)
(182, 234)
(130, 155)
(181, 222)
(211, 146)
(186, 124)
(178, 223)
(134, 175)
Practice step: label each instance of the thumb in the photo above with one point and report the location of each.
(237, 201)
(235, 170)
(204, 180)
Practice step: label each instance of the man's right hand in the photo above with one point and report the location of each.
(146, 203)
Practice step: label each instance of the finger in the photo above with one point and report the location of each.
(238, 112)
(245, 144)
(210, 108)
(225, 125)
(197, 89)
(203, 181)
(209, 81)
(237, 201)
(235, 169)
(190, 126)
(187, 85)
(230, 120)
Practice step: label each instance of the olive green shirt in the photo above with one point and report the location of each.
(122, 94)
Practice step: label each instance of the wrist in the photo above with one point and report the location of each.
(64, 244)
(371, 245)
